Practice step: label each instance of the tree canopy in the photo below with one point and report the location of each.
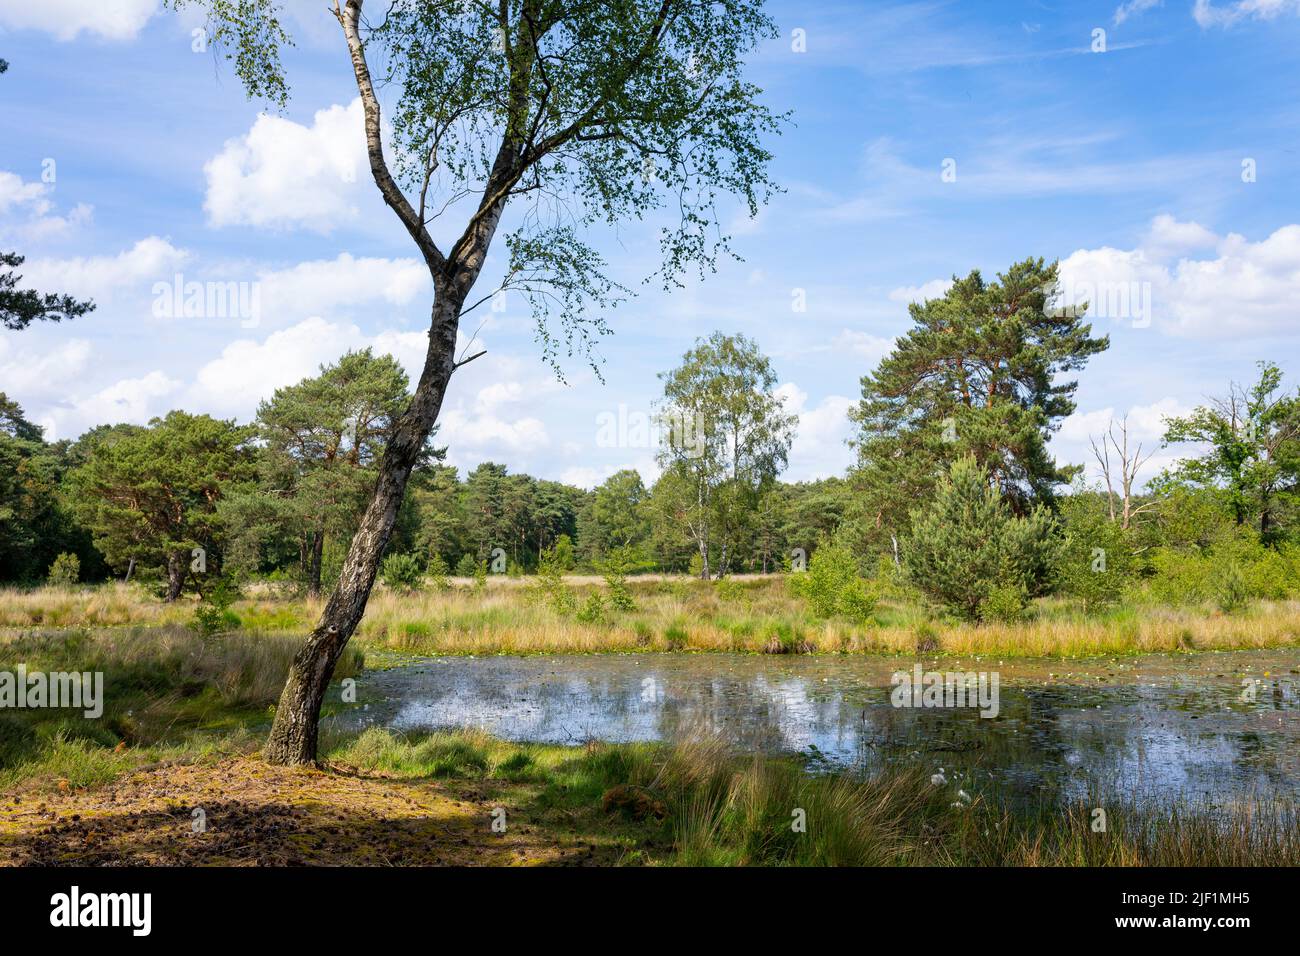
(976, 375)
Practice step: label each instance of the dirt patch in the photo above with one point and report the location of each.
(253, 813)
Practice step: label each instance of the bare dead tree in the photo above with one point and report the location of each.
(1129, 464)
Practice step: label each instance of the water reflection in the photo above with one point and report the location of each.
(1152, 727)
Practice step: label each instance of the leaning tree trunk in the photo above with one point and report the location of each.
(294, 732)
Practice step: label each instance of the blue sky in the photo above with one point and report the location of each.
(1164, 167)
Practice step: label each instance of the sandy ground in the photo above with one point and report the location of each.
(258, 814)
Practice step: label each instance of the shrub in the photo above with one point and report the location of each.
(437, 572)
(213, 615)
(466, 567)
(786, 639)
(1181, 577)
(562, 553)
(1003, 603)
(620, 598)
(614, 568)
(1232, 592)
(927, 639)
(675, 637)
(401, 572)
(65, 571)
(831, 585)
(967, 543)
(593, 609)
(1096, 560)
(550, 586)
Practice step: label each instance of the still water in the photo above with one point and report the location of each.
(1211, 727)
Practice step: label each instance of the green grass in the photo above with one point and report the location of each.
(724, 809)
(168, 693)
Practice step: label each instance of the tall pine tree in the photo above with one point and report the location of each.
(977, 375)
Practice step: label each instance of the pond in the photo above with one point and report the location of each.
(1210, 728)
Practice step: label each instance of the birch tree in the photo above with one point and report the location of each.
(572, 115)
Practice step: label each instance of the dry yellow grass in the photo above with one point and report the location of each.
(509, 616)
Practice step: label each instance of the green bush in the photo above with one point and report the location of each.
(401, 572)
(466, 567)
(550, 587)
(213, 615)
(1003, 604)
(562, 554)
(1233, 592)
(65, 572)
(437, 572)
(1096, 563)
(592, 610)
(831, 585)
(1181, 577)
(614, 568)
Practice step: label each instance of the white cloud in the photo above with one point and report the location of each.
(282, 174)
(46, 372)
(131, 400)
(67, 19)
(1208, 15)
(934, 289)
(1243, 289)
(325, 286)
(1146, 428)
(1169, 237)
(27, 208)
(479, 435)
(584, 476)
(819, 449)
(15, 192)
(1132, 8)
(100, 277)
(248, 371)
(871, 347)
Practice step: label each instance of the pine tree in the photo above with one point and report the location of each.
(976, 375)
(967, 543)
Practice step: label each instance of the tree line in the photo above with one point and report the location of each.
(954, 487)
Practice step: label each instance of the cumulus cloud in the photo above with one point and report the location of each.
(934, 289)
(44, 372)
(1146, 428)
(248, 370)
(28, 211)
(327, 285)
(819, 449)
(68, 19)
(1241, 288)
(497, 421)
(283, 175)
(102, 277)
(130, 400)
(1169, 237)
(871, 347)
(15, 192)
